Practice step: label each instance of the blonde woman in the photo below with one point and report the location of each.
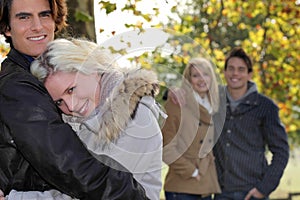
(112, 109)
(188, 136)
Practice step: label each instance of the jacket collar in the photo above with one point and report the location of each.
(119, 107)
(248, 103)
(251, 87)
(20, 59)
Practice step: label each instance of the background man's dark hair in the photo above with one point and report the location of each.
(240, 53)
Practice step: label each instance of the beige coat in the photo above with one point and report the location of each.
(183, 136)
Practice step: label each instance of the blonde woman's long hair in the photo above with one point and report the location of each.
(207, 67)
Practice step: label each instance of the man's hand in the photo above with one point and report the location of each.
(254, 193)
(177, 95)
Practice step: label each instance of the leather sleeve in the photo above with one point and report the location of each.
(53, 149)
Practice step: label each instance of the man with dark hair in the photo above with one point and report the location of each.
(252, 124)
(38, 151)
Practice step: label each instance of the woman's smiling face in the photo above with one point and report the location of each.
(74, 93)
(200, 81)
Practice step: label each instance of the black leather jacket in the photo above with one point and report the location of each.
(35, 144)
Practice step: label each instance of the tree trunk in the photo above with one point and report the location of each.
(81, 19)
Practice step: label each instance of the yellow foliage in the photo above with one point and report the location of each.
(282, 107)
(3, 51)
(177, 58)
(225, 12)
(186, 47)
(177, 27)
(189, 18)
(186, 30)
(294, 90)
(256, 36)
(146, 65)
(242, 26)
(210, 10)
(293, 127)
(203, 35)
(219, 55)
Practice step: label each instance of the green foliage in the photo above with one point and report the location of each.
(108, 7)
(82, 16)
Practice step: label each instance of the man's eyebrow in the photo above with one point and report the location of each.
(23, 14)
(45, 12)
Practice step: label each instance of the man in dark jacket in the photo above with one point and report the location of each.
(251, 125)
(37, 150)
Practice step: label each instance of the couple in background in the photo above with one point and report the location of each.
(251, 126)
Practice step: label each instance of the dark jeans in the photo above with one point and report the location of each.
(235, 196)
(184, 196)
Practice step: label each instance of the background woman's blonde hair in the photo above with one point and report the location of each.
(74, 55)
(207, 67)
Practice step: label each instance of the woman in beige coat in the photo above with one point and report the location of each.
(188, 136)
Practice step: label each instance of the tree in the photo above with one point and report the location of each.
(269, 30)
(81, 19)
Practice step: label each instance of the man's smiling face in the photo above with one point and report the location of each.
(31, 26)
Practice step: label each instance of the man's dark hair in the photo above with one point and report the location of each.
(240, 53)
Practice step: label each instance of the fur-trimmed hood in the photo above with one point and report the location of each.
(121, 92)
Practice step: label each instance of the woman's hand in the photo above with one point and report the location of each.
(177, 95)
(198, 177)
(1, 195)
